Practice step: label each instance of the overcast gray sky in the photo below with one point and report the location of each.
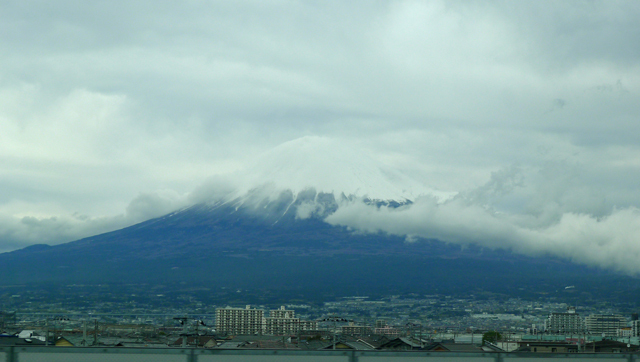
(112, 112)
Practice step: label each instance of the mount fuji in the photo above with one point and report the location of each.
(331, 168)
(265, 229)
(313, 177)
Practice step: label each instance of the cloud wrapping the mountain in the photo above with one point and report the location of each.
(496, 215)
(610, 242)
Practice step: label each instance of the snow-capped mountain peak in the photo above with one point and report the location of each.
(328, 167)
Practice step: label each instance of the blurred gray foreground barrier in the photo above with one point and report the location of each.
(95, 354)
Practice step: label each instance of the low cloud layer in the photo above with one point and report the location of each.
(609, 242)
(518, 213)
(19, 231)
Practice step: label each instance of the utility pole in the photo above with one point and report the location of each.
(84, 334)
(334, 334)
(334, 319)
(95, 332)
(184, 334)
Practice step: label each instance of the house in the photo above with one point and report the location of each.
(196, 341)
(352, 345)
(453, 347)
(141, 344)
(313, 344)
(494, 347)
(268, 344)
(63, 342)
(232, 344)
(6, 341)
(610, 346)
(402, 344)
(374, 341)
(547, 347)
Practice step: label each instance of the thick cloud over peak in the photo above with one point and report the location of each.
(528, 109)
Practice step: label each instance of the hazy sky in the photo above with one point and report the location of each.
(112, 112)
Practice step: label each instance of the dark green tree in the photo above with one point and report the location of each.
(491, 336)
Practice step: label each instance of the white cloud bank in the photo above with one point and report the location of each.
(610, 242)
(19, 231)
(508, 213)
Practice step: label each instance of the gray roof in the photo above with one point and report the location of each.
(457, 347)
(15, 341)
(232, 344)
(400, 341)
(360, 346)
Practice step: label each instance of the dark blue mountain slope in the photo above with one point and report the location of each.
(226, 246)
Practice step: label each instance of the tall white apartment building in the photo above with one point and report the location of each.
(247, 321)
(282, 313)
(283, 321)
(308, 326)
(635, 328)
(565, 323)
(605, 323)
(240, 321)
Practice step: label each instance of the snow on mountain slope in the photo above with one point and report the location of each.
(329, 167)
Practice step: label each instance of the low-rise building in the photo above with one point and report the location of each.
(610, 346)
(624, 332)
(547, 347)
(356, 330)
(387, 331)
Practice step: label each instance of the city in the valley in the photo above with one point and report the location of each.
(482, 322)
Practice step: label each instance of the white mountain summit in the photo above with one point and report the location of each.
(327, 167)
